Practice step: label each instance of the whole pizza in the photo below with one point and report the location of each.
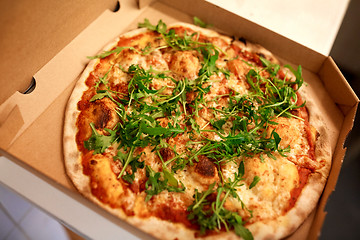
(186, 133)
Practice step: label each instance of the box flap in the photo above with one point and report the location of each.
(341, 91)
(59, 72)
(28, 41)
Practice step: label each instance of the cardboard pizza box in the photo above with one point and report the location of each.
(31, 124)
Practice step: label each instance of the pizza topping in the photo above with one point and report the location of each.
(103, 181)
(210, 213)
(99, 142)
(157, 185)
(295, 192)
(193, 118)
(166, 154)
(185, 64)
(205, 167)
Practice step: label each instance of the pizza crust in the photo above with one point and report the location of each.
(274, 229)
(72, 156)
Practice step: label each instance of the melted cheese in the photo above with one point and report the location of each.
(292, 133)
(104, 182)
(270, 196)
(185, 64)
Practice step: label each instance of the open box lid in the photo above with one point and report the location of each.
(34, 32)
(31, 125)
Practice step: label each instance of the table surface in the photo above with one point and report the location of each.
(314, 24)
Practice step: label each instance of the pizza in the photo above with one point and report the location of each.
(187, 133)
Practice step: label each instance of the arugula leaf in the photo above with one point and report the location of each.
(272, 68)
(157, 185)
(108, 53)
(242, 231)
(133, 161)
(160, 131)
(277, 94)
(298, 75)
(170, 178)
(160, 27)
(254, 182)
(100, 94)
(241, 169)
(213, 215)
(154, 185)
(126, 160)
(173, 40)
(218, 124)
(199, 212)
(103, 79)
(200, 23)
(99, 142)
(167, 174)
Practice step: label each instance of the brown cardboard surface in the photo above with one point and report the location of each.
(340, 91)
(61, 70)
(44, 26)
(10, 125)
(34, 134)
(40, 146)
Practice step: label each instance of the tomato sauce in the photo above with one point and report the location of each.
(295, 193)
(167, 212)
(252, 57)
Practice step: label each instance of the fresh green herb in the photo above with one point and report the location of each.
(277, 94)
(129, 159)
(154, 185)
(299, 81)
(218, 124)
(254, 182)
(173, 40)
(108, 53)
(212, 215)
(107, 92)
(140, 130)
(125, 160)
(193, 155)
(160, 27)
(242, 126)
(99, 142)
(103, 80)
(200, 23)
(139, 85)
(100, 94)
(168, 174)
